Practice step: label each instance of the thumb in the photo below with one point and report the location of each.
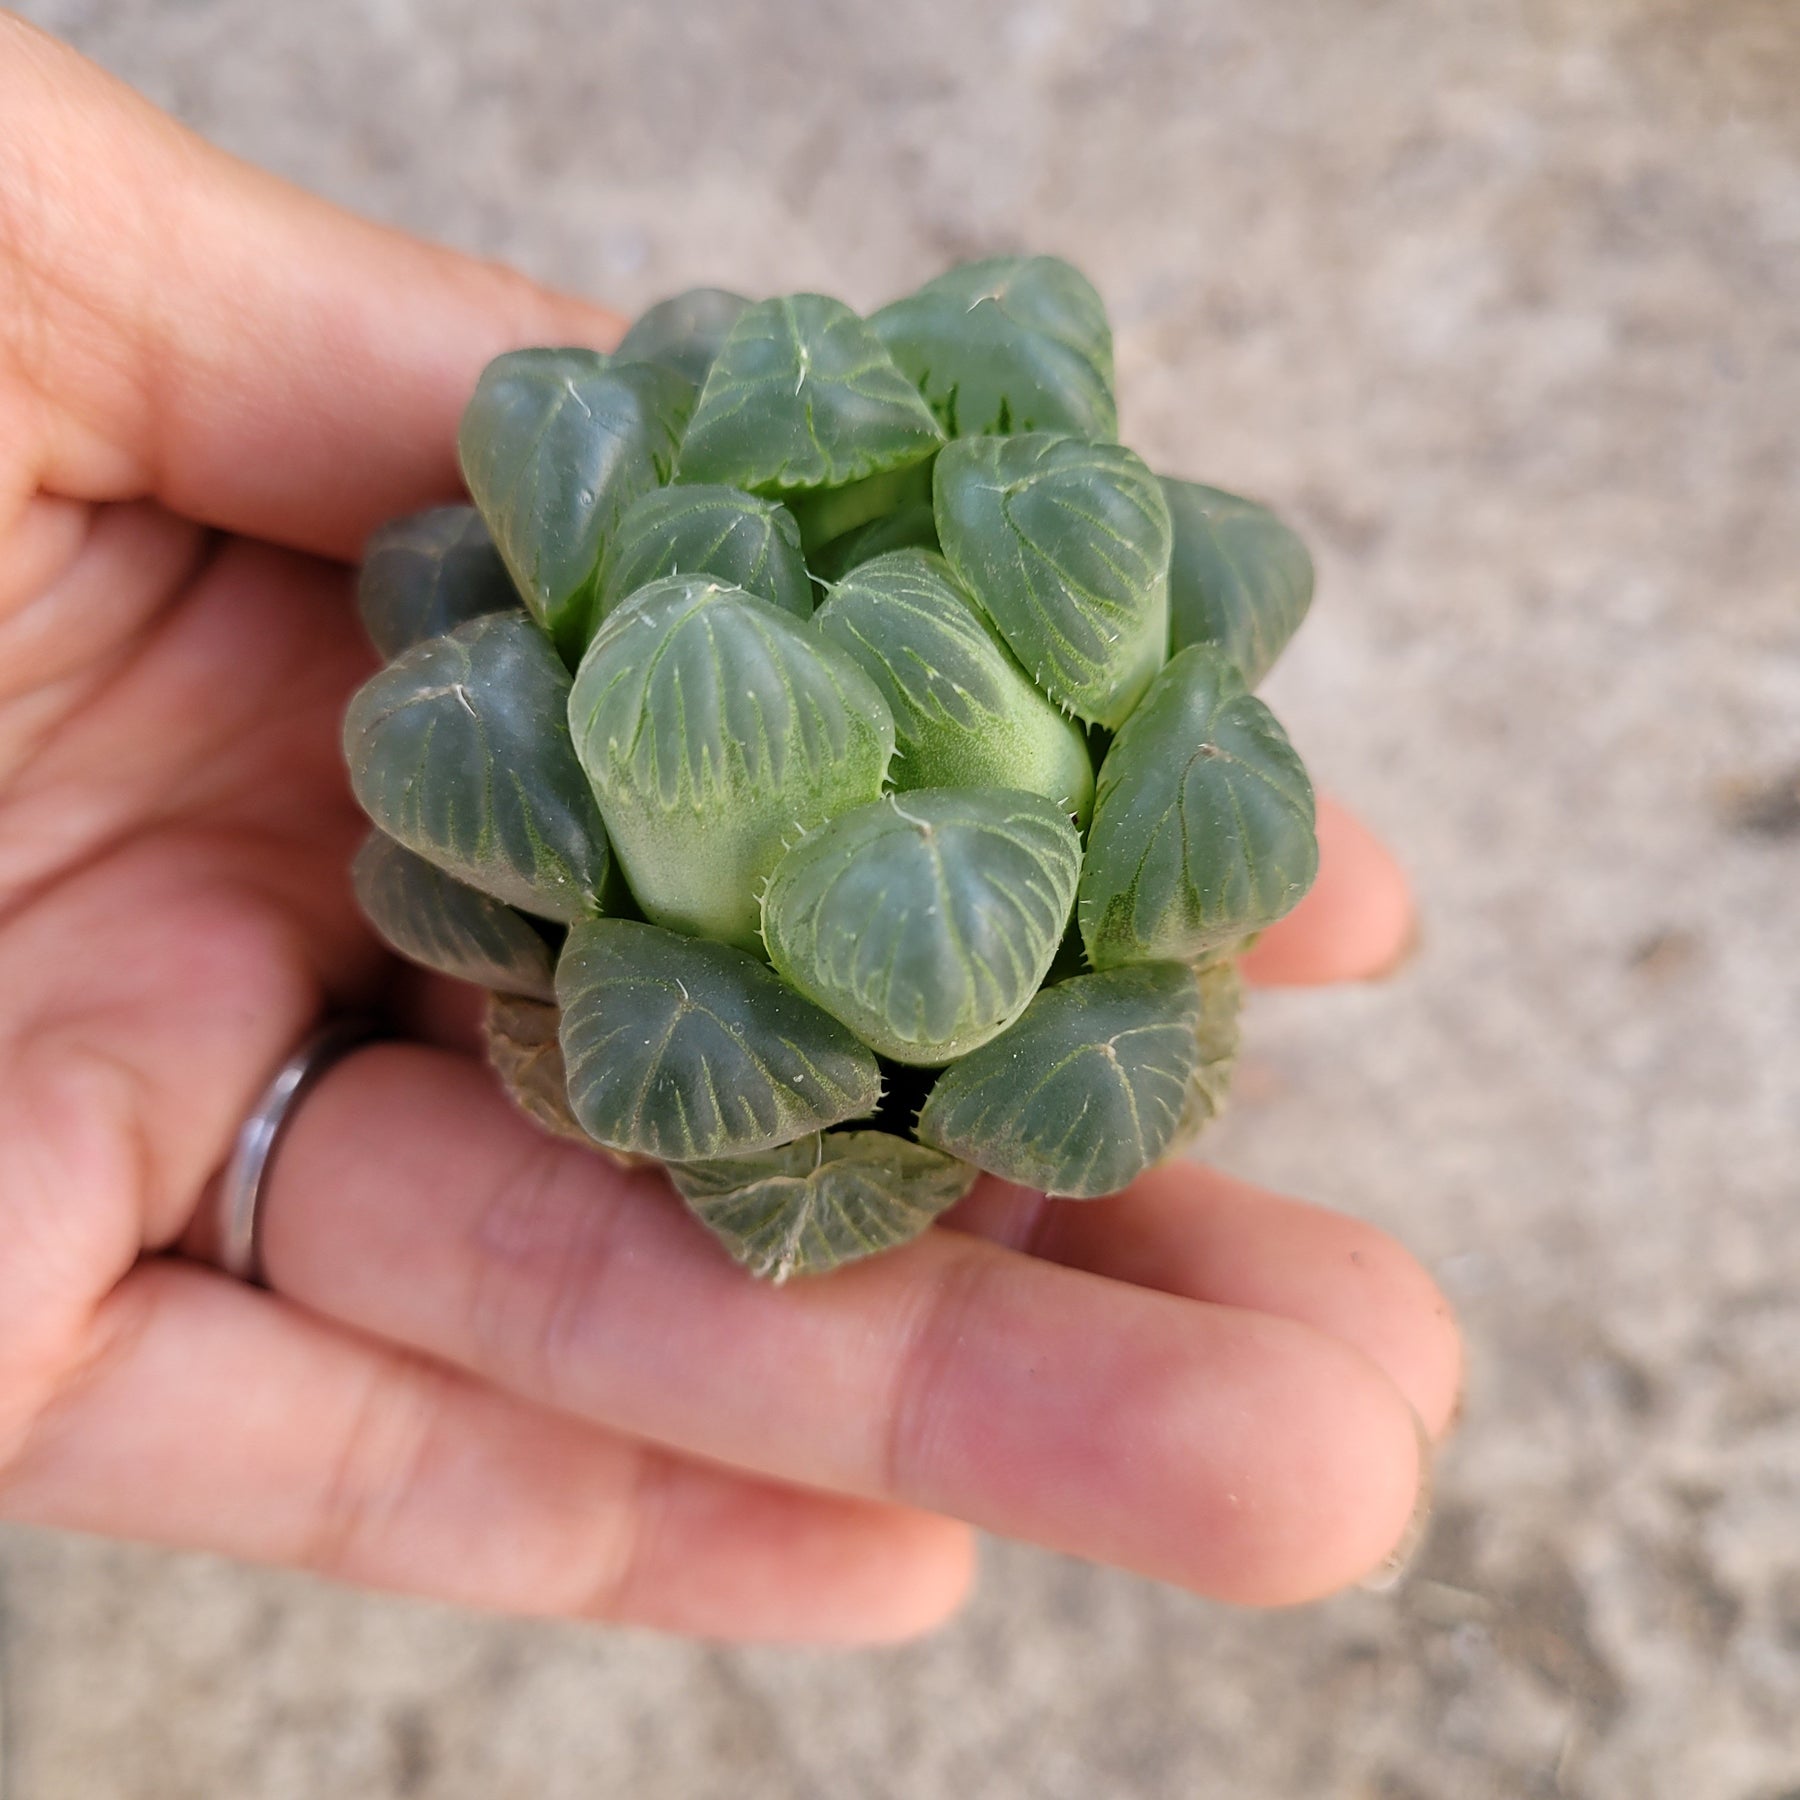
(177, 325)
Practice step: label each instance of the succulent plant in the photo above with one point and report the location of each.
(836, 755)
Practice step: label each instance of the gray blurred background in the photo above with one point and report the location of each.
(1500, 301)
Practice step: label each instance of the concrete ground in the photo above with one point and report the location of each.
(1501, 302)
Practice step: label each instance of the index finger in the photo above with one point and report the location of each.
(177, 325)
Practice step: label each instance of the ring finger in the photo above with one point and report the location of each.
(210, 1416)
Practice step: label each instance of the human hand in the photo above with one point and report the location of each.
(492, 1369)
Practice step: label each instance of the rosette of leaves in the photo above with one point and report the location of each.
(836, 755)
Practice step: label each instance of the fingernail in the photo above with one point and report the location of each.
(1400, 1559)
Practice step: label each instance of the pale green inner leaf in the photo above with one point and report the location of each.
(965, 713)
(716, 730)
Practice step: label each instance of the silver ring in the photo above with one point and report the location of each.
(236, 1249)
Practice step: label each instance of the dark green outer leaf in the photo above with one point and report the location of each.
(910, 528)
(1085, 1092)
(683, 332)
(555, 444)
(803, 396)
(1216, 1047)
(736, 538)
(1203, 821)
(460, 751)
(1065, 545)
(684, 1049)
(822, 1201)
(1238, 577)
(425, 575)
(965, 713)
(441, 924)
(715, 730)
(925, 922)
(1007, 345)
(524, 1052)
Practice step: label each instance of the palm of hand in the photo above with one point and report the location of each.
(174, 829)
(494, 1370)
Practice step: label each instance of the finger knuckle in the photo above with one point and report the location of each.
(919, 1405)
(382, 1442)
(624, 1548)
(542, 1250)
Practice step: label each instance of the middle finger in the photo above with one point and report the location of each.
(1187, 1229)
(1246, 1456)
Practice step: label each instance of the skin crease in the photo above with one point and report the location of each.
(492, 1369)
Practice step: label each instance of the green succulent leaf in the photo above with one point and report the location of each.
(1238, 577)
(802, 396)
(555, 444)
(684, 332)
(1085, 1092)
(1203, 821)
(734, 537)
(441, 924)
(965, 713)
(925, 922)
(907, 528)
(830, 513)
(715, 730)
(683, 1049)
(459, 749)
(1065, 544)
(822, 1201)
(427, 574)
(1216, 1047)
(525, 1052)
(1010, 344)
